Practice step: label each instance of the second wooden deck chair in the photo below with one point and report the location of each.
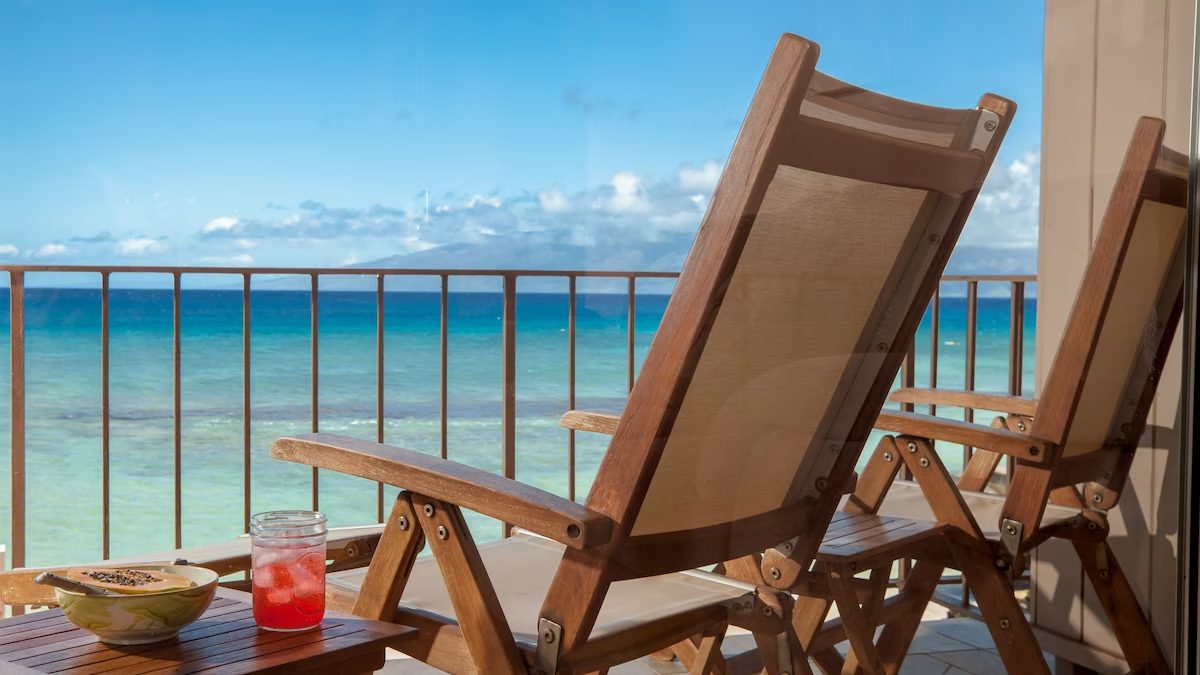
(1083, 430)
(812, 265)
(889, 538)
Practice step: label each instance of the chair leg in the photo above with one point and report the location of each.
(708, 653)
(829, 661)
(898, 635)
(859, 631)
(702, 653)
(808, 616)
(993, 590)
(1134, 633)
(782, 654)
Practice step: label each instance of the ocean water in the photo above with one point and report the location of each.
(63, 399)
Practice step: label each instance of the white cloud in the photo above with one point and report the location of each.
(627, 192)
(703, 178)
(243, 259)
(631, 221)
(140, 246)
(51, 249)
(1006, 213)
(553, 201)
(480, 200)
(221, 224)
(8, 250)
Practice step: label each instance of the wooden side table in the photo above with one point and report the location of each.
(225, 639)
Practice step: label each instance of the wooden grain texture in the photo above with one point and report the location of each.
(402, 540)
(876, 477)
(581, 420)
(1003, 614)
(896, 638)
(939, 490)
(484, 627)
(1011, 405)
(837, 150)
(224, 639)
(981, 467)
(525, 506)
(622, 646)
(859, 632)
(1022, 446)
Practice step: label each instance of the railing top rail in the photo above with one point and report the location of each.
(416, 272)
(343, 271)
(1029, 278)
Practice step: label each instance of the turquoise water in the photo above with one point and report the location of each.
(63, 447)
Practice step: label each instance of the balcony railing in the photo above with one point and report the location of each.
(87, 275)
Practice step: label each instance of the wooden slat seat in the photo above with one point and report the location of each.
(904, 500)
(862, 538)
(522, 568)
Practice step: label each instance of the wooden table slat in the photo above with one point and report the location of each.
(291, 646)
(327, 652)
(225, 639)
(83, 642)
(247, 634)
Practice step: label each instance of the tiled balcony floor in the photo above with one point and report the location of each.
(942, 647)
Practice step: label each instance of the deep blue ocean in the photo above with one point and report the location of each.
(63, 399)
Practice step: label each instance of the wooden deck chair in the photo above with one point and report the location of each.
(1083, 430)
(873, 541)
(822, 244)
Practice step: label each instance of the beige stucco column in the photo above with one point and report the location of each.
(1107, 62)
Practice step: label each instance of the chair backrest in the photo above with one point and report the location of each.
(826, 235)
(1101, 383)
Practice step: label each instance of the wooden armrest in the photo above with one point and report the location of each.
(1012, 405)
(581, 420)
(535, 510)
(1022, 446)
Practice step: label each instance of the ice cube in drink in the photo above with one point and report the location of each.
(289, 586)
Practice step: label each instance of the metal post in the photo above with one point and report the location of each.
(510, 381)
(16, 314)
(105, 411)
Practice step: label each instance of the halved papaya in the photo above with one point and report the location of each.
(131, 581)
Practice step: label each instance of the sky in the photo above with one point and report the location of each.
(550, 134)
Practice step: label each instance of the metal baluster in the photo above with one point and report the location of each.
(510, 381)
(571, 385)
(379, 385)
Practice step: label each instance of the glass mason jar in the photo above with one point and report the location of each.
(288, 562)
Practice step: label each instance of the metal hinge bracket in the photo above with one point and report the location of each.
(1010, 537)
(985, 129)
(549, 644)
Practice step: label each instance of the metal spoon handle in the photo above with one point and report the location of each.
(52, 579)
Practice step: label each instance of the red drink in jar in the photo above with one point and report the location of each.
(288, 560)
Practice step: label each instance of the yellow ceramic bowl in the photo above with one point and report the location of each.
(143, 618)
